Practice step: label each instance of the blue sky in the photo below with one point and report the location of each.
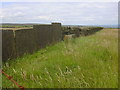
(74, 13)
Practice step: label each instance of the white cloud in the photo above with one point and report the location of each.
(44, 17)
(60, 1)
(18, 14)
(48, 18)
(67, 13)
(89, 19)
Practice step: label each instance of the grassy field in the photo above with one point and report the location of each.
(84, 62)
(16, 26)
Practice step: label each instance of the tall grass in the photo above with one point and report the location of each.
(85, 62)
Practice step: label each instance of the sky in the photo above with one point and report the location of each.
(68, 13)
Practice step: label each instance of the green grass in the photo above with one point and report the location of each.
(85, 62)
(16, 26)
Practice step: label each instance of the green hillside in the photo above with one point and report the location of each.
(84, 62)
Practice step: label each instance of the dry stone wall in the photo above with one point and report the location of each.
(79, 31)
(43, 35)
(25, 41)
(16, 43)
(8, 45)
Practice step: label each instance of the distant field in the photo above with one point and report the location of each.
(15, 26)
(84, 62)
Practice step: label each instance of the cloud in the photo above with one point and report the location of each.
(89, 18)
(65, 12)
(44, 17)
(18, 14)
(48, 18)
(60, 1)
